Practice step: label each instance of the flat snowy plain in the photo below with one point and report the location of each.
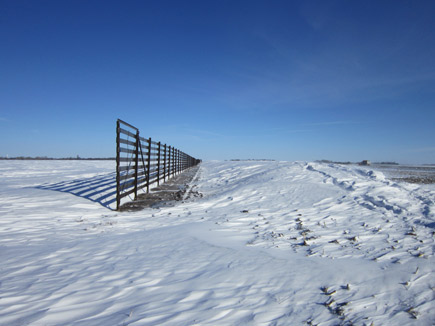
(270, 243)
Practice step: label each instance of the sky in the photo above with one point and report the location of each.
(284, 80)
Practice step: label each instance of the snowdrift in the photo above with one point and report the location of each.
(269, 243)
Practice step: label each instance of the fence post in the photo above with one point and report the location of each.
(164, 164)
(118, 161)
(136, 162)
(184, 161)
(169, 163)
(149, 165)
(173, 160)
(178, 161)
(158, 166)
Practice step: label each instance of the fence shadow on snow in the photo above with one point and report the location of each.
(99, 189)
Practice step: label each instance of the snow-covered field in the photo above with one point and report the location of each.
(270, 243)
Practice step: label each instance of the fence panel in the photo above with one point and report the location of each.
(141, 162)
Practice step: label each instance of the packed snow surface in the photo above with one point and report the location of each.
(269, 243)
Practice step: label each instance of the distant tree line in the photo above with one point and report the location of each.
(334, 162)
(45, 158)
(337, 162)
(387, 163)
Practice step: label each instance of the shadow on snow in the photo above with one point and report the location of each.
(100, 189)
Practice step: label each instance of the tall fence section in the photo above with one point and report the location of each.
(141, 162)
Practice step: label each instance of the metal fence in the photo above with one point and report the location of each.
(141, 162)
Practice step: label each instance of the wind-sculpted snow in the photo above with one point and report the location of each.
(269, 243)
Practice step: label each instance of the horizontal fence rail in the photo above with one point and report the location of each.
(141, 162)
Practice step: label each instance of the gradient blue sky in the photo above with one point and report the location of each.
(287, 80)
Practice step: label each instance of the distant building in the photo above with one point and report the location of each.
(365, 162)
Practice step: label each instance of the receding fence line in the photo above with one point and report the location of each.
(139, 162)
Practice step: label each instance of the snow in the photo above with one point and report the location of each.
(270, 243)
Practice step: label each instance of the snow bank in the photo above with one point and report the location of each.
(270, 243)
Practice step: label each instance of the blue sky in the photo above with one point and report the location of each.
(286, 80)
